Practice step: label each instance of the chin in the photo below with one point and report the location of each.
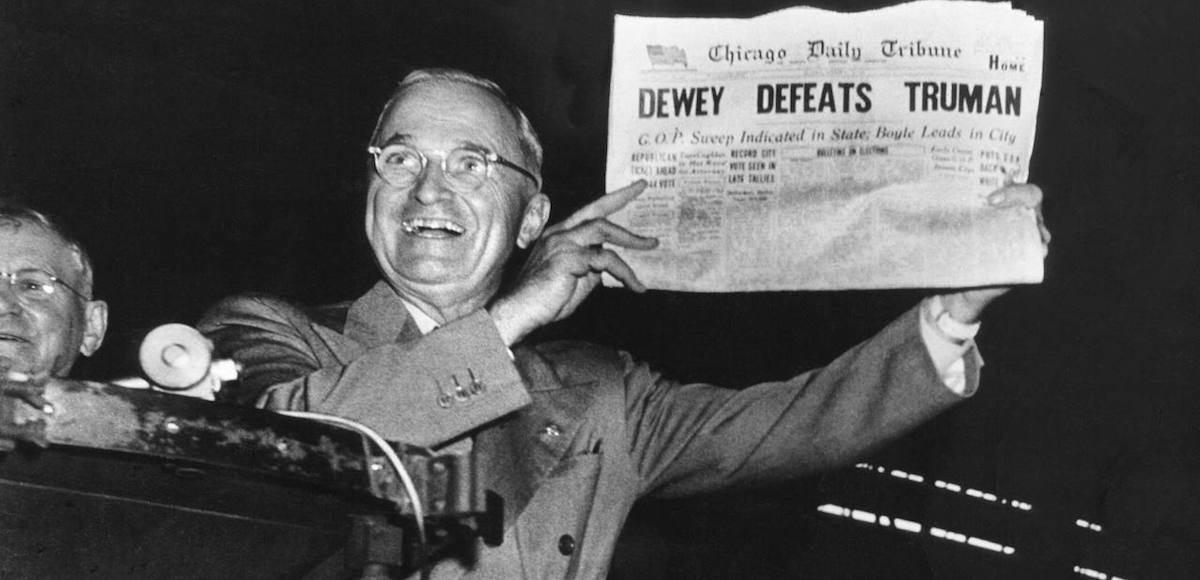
(430, 274)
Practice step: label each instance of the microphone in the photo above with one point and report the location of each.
(178, 359)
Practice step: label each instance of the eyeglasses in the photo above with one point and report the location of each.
(465, 168)
(33, 285)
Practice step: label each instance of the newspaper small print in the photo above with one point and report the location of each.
(806, 149)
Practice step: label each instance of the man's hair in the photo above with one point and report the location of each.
(14, 212)
(531, 146)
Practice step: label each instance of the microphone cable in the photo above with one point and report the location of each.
(393, 460)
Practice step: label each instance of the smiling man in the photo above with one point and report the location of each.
(569, 434)
(444, 252)
(47, 315)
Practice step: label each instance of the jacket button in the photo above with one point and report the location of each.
(551, 430)
(566, 545)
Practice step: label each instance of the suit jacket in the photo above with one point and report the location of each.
(570, 433)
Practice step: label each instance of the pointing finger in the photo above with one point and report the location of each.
(603, 207)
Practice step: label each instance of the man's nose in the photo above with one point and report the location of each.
(432, 186)
(9, 302)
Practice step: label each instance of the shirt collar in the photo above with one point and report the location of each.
(425, 323)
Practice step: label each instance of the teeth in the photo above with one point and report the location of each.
(431, 225)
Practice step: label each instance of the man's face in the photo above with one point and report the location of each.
(439, 246)
(44, 336)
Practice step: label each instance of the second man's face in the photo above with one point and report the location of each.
(43, 335)
(437, 244)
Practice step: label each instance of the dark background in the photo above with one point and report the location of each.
(202, 148)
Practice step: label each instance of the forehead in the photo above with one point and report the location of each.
(444, 114)
(29, 245)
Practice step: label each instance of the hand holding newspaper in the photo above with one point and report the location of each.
(808, 149)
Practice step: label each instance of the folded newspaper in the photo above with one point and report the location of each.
(809, 149)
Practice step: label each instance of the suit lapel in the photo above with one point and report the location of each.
(519, 452)
(374, 319)
(516, 453)
(371, 321)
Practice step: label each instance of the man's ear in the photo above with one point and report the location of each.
(95, 323)
(537, 213)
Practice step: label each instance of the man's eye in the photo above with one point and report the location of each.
(31, 286)
(471, 163)
(402, 159)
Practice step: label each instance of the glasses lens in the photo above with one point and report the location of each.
(467, 168)
(399, 164)
(33, 284)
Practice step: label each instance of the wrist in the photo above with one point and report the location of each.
(960, 309)
(942, 319)
(509, 331)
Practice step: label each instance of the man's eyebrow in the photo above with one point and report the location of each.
(406, 138)
(476, 146)
(397, 138)
(42, 269)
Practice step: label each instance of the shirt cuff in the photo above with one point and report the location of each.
(947, 340)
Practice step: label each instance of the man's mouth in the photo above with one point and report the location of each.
(432, 228)
(9, 337)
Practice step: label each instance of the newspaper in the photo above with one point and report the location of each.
(809, 149)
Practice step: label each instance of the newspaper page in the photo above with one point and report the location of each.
(809, 149)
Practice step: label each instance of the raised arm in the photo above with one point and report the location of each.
(419, 390)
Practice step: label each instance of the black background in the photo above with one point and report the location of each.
(202, 148)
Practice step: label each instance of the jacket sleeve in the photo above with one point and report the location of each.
(695, 438)
(423, 392)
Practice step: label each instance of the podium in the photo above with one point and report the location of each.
(130, 484)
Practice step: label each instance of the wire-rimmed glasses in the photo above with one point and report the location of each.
(34, 285)
(465, 168)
